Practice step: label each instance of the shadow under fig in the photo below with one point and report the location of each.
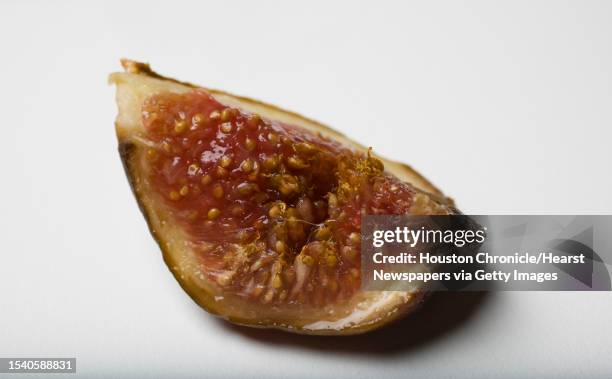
(439, 316)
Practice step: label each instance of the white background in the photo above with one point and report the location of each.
(506, 106)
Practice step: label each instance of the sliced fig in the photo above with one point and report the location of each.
(257, 210)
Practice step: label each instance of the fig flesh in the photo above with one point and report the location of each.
(257, 210)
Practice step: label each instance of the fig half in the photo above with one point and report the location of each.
(256, 209)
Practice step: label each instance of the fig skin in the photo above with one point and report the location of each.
(381, 309)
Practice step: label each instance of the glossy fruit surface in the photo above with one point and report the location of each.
(258, 210)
